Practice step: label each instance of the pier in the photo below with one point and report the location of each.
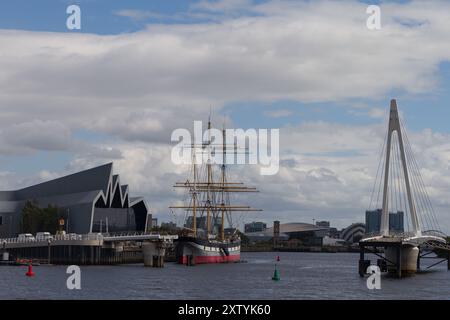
(88, 249)
(402, 256)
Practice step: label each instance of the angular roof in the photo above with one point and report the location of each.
(85, 186)
(88, 180)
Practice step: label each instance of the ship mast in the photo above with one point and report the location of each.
(210, 189)
(194, 197)
(208, 194)
(224, 150)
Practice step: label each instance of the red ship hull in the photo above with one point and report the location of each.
(190, 251)
(209, 259)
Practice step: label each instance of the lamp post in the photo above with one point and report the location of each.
(68, 220)
(49, 241)
(5, 255)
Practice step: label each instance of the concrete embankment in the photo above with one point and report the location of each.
(298, 249)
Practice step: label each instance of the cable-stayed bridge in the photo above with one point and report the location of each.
(400, 190)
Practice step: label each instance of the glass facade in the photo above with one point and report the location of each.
(373, 221)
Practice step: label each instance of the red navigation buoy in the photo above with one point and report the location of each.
(278, 258)
(30, 272)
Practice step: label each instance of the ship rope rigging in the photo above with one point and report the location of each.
(208, 192)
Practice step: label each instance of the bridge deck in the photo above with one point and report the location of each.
(83, 240)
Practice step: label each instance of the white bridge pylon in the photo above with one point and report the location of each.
(402, 191)
(394, 126)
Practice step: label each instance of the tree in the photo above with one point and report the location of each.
(37, 219)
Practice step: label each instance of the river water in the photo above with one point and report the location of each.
(303, 276)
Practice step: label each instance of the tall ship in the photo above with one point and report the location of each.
(207, 205)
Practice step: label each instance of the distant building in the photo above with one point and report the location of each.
(334, 233)
(353, 233)
(255, 227)
(215, 224)
(149, 224)
(169, 225)
(333, 242)
(154, 222)
(305, 233)
(396, 222)
(230, 231)
(373, 221)
(276, 232)
(325, 224)
(92, 200)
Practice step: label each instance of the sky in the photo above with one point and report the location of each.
(115, 90)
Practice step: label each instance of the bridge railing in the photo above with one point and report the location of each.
(435, 233)
(59, 237)
(129, 233)
(407, 234)
(78, 237)
(404, 234)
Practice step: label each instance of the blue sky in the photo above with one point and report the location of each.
(98, 16)
(238, 57)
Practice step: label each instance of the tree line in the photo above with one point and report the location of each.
(37, 219)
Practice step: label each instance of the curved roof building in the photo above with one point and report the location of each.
(92, 200)
(296, 227)
(354, 232)
(309, 234)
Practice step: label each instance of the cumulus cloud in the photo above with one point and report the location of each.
(26, 137)
(327, 172)
(304, 51)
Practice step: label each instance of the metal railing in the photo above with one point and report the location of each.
(406, 234)
(136, 236)
(90, 236)
(59, 237)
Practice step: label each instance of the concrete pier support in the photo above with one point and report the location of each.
(418, 261)
(448, 260)
(153, 253)
(404, 259)
(363, 263)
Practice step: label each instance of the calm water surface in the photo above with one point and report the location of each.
(303, 276)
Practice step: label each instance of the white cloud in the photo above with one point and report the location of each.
(26, 137)
(327, 171)
(307, 51)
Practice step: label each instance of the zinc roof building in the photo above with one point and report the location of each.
(92, 200)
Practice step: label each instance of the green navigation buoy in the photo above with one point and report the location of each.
(276, 275)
